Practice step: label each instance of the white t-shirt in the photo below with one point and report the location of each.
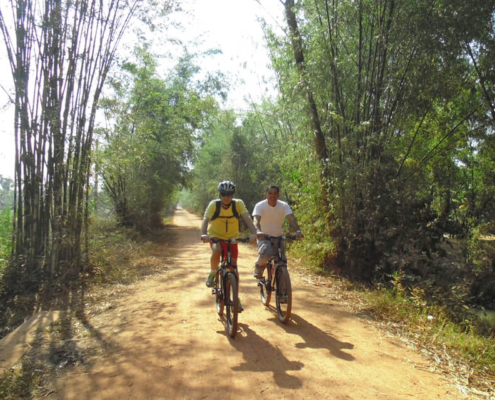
(272, 218)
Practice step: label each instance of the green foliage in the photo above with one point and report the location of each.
(407, 123)
(23, 382)
(146, 157)
(5, 239)
(481, 254)
(6, 224)
(236, 151)
(301, 185)
(482, 248)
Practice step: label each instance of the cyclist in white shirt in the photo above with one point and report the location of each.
(269, 217)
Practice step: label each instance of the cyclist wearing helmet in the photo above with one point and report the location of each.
(223, 222)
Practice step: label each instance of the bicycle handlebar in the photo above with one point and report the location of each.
(235, 240)
(283, 237)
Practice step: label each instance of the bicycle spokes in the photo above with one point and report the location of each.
(284, 294)
(265, 291)
(231, 303)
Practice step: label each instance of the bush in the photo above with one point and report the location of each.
(481, 254)
(120, 254)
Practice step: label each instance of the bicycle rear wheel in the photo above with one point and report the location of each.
(231, 299)
(284, 294)
(265, 287)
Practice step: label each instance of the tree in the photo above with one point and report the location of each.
(312, 110)
(148, 152)
(390, 101)
(59, 61)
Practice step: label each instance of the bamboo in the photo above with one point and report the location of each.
(70, 47)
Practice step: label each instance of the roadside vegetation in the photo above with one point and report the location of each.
(6, 218)
(5, 238)
(458, 343)
(120, 256)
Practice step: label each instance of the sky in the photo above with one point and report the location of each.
(228, 25)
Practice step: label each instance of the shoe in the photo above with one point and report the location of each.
(240, 308)
(210, 281)
(258, 272)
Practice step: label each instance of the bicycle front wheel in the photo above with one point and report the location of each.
(219, 293)
(231, 303)
(284, 294)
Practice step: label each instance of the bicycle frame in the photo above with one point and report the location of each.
(276, 263)
(226, 260)
(226, 286)
(278, 260)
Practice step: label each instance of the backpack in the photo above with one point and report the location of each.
(216, 214)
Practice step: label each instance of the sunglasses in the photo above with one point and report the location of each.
(225, 194)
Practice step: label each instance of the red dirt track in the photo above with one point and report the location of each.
(164, 340)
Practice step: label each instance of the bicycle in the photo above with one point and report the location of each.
(226, 287)
(276, 278)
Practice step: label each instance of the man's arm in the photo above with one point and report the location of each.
(204, 227)
(293, 223)
(249, 222)
(257, 219)
(247, 219)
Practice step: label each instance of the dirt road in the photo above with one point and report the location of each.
(164, 340)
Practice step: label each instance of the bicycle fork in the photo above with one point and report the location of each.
(268, 282)
(217, 288)
(219, 280)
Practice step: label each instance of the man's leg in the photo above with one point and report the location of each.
(264, 254)
(259, 267)
(216, 252)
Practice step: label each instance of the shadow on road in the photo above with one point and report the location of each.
(270, 360)
(314, 338)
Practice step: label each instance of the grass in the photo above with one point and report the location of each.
(23, 381)
(120, 255)
(457, 344)
(5, 238)
(117, 255)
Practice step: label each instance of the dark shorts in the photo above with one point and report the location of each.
(234, 251)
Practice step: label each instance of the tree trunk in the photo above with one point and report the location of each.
(312, 110)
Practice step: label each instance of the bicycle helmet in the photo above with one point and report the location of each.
(226, 187)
